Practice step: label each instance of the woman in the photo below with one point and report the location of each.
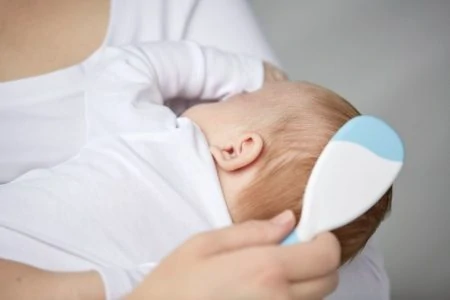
(46, 46)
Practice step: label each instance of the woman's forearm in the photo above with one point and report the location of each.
(20, 281)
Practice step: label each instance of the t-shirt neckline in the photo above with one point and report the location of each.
(67, 79)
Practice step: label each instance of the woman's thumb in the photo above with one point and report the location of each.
(248, 234)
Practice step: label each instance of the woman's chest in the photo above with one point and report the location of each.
(38, 37)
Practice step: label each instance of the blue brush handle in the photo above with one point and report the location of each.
(291, 239)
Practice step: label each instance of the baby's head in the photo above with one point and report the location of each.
(265, 145)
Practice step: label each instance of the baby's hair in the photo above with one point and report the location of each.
(295, 131)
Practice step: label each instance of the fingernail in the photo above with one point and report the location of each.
(285, 217)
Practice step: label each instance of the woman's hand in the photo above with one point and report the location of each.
(245, 262)
(273, 74)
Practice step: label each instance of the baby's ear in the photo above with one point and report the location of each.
(241, 153)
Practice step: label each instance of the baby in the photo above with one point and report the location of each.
(147, 180)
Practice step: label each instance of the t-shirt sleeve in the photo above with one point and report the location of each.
(190, 71)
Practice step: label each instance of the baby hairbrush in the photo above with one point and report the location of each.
(356, 167)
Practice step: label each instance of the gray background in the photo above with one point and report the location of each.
(391, 58)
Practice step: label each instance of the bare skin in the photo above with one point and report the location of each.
(19, 281)
(38, 37)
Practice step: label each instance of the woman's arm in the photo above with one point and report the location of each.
(304, 271)
(19, 281)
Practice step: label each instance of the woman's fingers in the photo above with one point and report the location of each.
(248, 234)
(323, 255)
(242, 262)
(315, 288)
(273, 74)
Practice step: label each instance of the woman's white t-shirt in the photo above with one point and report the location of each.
(42, 118)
